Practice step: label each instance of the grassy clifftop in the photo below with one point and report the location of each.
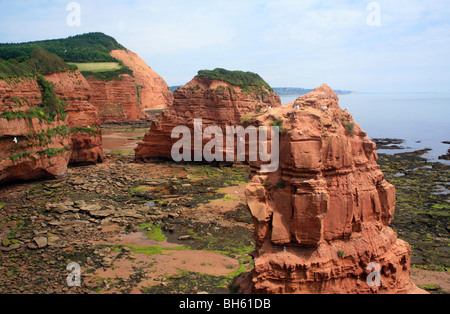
(245, 80)
(85, 51)
(91, 47)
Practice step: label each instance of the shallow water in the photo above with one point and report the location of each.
(114, 140)
(422, 120)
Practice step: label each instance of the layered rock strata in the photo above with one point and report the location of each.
(30, 146)
(127, 99)
(82, 119)
(216, 102)
(34, 146)
(154, 93)
(322, 219)
(116, 100)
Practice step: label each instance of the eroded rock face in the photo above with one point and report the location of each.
(116, 101)
(128, 98)
(44, 148)
(217, 103)
(154, 93)
(323, 217)
(30, 148)
(82, 119)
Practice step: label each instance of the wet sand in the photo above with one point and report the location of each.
(121, 139)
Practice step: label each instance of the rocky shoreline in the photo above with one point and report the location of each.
(422, 219)
(129, 225)
(46, 225)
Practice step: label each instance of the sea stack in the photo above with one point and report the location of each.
(220, 98)
(322, 220)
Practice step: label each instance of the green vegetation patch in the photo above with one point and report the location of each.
(51, 152)
(248, 118)
(187, 282)
(349, 128)
(430, 287)
(46, 137)
(248, 81)
(17, 157)
(91, 47)
(93, 131)
(104, 71)
(232, 242)
(51, 105)
(50, 108)
(110, 75)
(153, 232)
(219, 176)
(122, 152)
(39, 61)
(422, 216)
(147, 250)
(90, 53)
(279, 123)
(97, 66)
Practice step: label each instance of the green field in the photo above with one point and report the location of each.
(98, 66)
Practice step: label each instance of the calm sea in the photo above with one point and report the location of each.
(422, 120)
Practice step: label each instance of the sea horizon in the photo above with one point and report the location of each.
(406, 116)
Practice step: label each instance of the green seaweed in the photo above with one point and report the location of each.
(153, 232)
(422, 216)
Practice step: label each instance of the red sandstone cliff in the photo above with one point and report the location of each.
(323, 217)
(82, 118)
(128, 98)
(116, 101)
(154, 93)
(44, 148)
(41, 150)
(216, 102)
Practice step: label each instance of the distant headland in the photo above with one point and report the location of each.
(291, 91)
(294, 91)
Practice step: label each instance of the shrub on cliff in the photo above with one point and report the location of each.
(40, 62)
(349, 128)
(45, 62)
(51, 105)
(50, 108)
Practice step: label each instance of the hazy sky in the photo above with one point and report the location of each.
(296, 43)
